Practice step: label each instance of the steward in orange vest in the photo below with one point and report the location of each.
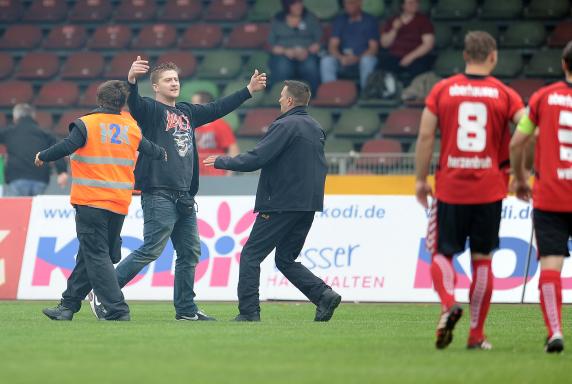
(103, 146)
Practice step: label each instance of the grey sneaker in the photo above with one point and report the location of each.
(198, 316)
(328, 303)
(59, 313)
(97, 308)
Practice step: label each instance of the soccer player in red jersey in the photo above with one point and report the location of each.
(472, 111)
(550, 118)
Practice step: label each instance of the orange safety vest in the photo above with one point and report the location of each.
(102, 170)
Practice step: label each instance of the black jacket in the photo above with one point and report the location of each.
(291, 156)
(173, 128)
(23, 141)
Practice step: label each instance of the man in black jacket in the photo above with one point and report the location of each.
(168, 189)
(290, 191)
(23, 141)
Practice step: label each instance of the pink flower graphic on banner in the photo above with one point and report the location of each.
(226, 243)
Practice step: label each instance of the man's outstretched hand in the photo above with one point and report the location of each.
(138, 68)
(257, 82)
(209, 161)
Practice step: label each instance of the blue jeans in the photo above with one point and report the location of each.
(161, 221)
(26, 187)
(330, 67)
(282, 68)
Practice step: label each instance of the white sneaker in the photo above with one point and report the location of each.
(97, 308)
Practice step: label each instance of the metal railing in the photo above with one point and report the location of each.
(374, 163)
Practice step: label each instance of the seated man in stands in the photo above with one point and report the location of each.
(294, 38)
(353, 45)
(407, 40)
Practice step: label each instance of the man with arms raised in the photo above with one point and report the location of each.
(472, 110)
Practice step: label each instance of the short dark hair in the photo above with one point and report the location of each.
(299, 91)
(160, 68)
(567, 56)
(479, 45)
(206, 97)
(112, 94)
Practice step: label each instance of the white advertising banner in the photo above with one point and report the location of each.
(368, 248)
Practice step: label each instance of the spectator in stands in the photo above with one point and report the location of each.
(215, 138)
(23, 141)
(407, 40)
(353, 45)
(294, 38)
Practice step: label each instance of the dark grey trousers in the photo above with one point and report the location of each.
(98, 232)
(285, 231)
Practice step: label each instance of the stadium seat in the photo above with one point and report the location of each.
(526, 87)
(454, 9)
(257, 60)
(51, 11)
(443, 36)
(424, 6)
(357, 123)
(509, 64)
(45, 120)
(248, 36)
(374, 7)
(189, 88)
(120, 64)
(3, 122)
(448, 63)
(135, 11)
(264, 10)
(38, 66)
(181, 10)
(545, 63)
(340, 93)
(66, 37)
(88, 98)
(6, 65)
(272, 95)
(524, 34)
(62, 127)
(225, 10)
(547, 9)
(233, 120)
(257, 121)
(204, 36)
(237, 85)
(156, 36)
(10, 11)
(487, 26)
(324, 9)
(91, 11)
(324, 117)
(83, 65)
(220, 65)
(506, 9)
(561, 35)
(335, 145)
(402, 123)
(57, 94)
(111, 37)
(246, 145)
(14, 92)
(388, 147)
(186, 62)
(21, 37)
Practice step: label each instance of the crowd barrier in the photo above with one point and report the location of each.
(368, 248)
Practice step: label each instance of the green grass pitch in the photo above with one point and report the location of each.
(364, 343)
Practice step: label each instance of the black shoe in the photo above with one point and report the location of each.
(555, 344)
(124, 317)
(328, 303)
(97, 308)
(198, 316)
(446, 325)
(59, 313)
(250, 317)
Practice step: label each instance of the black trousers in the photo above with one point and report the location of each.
(285, 231)
(390, 63)
(98, 232)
